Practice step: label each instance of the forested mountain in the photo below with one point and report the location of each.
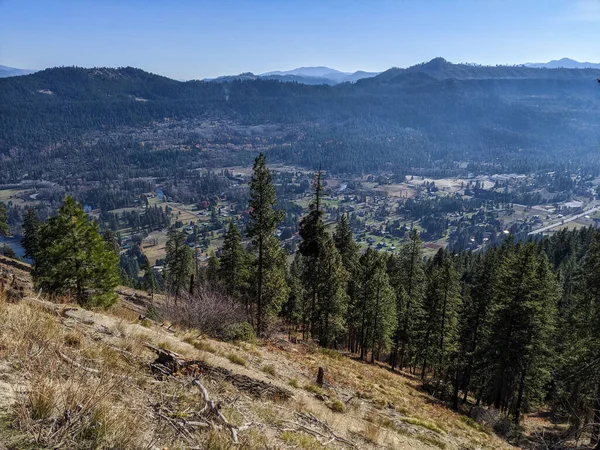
(431, 116)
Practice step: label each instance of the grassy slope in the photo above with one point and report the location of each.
(109, 398)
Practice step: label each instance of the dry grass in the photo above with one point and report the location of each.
(301, 440)
(314, 389)
(425, 424)
(110, 401)
(270, 369)
(236, 359)
(63, 404)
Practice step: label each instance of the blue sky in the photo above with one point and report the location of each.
(198, 39)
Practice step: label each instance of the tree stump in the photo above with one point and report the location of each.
(320, 376)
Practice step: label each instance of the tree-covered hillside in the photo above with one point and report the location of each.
(431, 116)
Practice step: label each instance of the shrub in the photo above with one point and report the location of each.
(314, 389)
(207, 310)
(270, 369)
(294, 382)
(241, 331)
(337, 405)
(153, 314)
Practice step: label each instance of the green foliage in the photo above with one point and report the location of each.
(4, 229)
(324, 276)
(31, 230)
(407, 277)
(238, 332)
(234, 269)
(178, 261)
(72, 258)
(270, 280)
(376, 305)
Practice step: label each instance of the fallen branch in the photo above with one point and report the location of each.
(310, 418)
(76, 364)
(214, 410)
(169, 363)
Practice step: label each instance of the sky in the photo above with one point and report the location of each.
(194, 39)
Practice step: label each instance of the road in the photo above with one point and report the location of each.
(564, 220)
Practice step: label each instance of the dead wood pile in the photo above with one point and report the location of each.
(170, 363)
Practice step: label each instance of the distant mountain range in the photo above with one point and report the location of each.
(305, 75)
(6, 71)
(439, 68)
(564, 63)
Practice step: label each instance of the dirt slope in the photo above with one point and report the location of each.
(73, 378)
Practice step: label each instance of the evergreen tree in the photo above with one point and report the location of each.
(408, 280)
(578, 377)
(520, 350)
(344, 242)
(313, 234)
(73, 259)
(149, 279)
(332, 298)
(439, 325)
(178, 262)
(270, 287)
(111, 239)
(234, 269)
(375, 304)
(478, 295)
(294, 308)
(348, 249)
(213, 272)
(4, 228)
(31, 230)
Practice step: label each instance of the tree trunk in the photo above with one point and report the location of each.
(596, 429)
(320, 376)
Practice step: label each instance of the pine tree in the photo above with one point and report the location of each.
(439, 324)
(4, 228)
(520, 350)
(375, 304)
(178, 262)
(270, 287)
(348, 249)
(332, 296)
(234, 269)
(312, 231)
(408, 280)
(294, 308)
(274, 285)
(31, 230)
(324, 277)
(478, 295)
(73, 259)
(578, 377)
(213, 271)
(149, 279)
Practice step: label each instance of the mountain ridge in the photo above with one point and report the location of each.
(6, 71)
(564, 63)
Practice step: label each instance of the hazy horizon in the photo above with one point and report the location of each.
(207, 39)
